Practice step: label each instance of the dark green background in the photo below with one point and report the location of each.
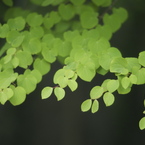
(48, 122)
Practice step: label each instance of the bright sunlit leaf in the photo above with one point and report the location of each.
(46, 92)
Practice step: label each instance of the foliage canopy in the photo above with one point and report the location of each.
(77, 34)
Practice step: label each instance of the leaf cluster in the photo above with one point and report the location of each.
(77, 35)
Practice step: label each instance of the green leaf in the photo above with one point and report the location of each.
(46, 2)
(15, 62)
(51, 19)
(48, 23)
(86, 105)
(61, 27)
(59, 93)
(77, 2)
(96, 92)
(5, 95)
(51, 41)
(108, 98)
(66, 11)
(105, 61)
(7, 58)
(84, 8)
(74, 77)
(37, 75)
(5, 66)
(73, 85)
(11, 51)
(102, 71)
(4, 29)
(125, 82)
(135, 69)
(95, 59)
(104, 84)
(105, 31)
(33, 46)
(69, 35)
(142, 123)
(64, 48)
(46, 92)
(69, 73)
(133, 79)
(8, 92)
(6, 78)
(89, 19)
(8, 2)
(107, 3)
(55, 17)
(106, 58)
(122, 13)
(119, 65)
(76, 53)
(70, 63)
(25, 58)
(16, 12)
(48, 53)
(37, 32)
(86, 72)
(15, 38)
(3, 98)
(98, 46)
(140, 74)
(113, 21)
(98, 2)
(19, 96)
(132, 62)
(62, 81)
(58, 74)
(91, 34)
(34, 19)
(28, 82)
(17, 23)
(95, 106)
(121, 90)
(112, 85)
(141, 58)
(42, 66)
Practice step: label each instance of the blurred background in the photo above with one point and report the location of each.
(48, 122)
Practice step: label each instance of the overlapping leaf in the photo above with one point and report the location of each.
(19, 95)
(7, 77)
(42, 66)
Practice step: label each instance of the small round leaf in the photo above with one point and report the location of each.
(72, 85)
(46, 92)
(142, 123)
(86, 105)
(19, 96)
(96, 92)
(112, 85)
(108, 99)
(125, 82)
(59, 92)
(95, 106)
